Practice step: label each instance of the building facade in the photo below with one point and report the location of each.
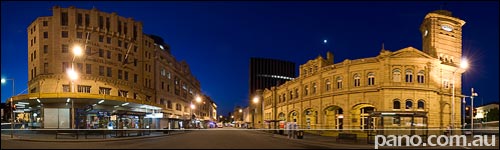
(126, 78)
(328, 95)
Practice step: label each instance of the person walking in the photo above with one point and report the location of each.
(287, 129)
(294, 130)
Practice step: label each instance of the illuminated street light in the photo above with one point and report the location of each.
(463, 65)
(192, 106)
(72, 74)
(198, 99)
(77, 50)
(241, 110)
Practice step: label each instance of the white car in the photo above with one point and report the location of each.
(219, 125)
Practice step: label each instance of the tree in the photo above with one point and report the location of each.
(492, 115)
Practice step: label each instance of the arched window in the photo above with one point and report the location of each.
(306, 90)
(284, 97)
(291, 95)
(409, 75)
(409, 104)
(371, 78)
(420, 104)
(169, 104)
(396, 75)
(420, 76)
(279, 98)
(396, 104)
(327, 85)
(339, 82)
(356, 80)
(313, 88)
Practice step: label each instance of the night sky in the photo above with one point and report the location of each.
(217, 39)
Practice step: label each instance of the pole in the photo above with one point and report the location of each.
(12, 111)
(453, 105)
(262, 101)
(472, 112)
(463, 103)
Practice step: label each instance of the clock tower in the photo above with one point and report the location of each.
(442, 36)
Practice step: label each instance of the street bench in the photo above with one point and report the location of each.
(346, 136)
(69, 133)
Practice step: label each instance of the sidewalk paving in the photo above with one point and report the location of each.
(44, 137)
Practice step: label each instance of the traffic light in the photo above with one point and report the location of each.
(474, 112)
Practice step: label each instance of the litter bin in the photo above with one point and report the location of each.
(300, 134)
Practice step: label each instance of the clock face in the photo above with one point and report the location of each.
(447, 28)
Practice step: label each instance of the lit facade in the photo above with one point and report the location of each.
(123, 73)
(328, 95)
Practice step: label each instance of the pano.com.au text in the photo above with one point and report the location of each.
(433, 140)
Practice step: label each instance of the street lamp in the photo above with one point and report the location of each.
(463, 65)
(73, 75)
(256, 101)
(11, 106)
(472, 111)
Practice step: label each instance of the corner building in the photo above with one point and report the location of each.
(328, 95)
(126, 78)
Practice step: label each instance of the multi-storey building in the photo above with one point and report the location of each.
(345, 95)
(126, 79)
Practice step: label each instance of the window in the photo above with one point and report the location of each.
(126, 45)
(125, 27)
(101, 22)
(101, 53)
(101, 70)
(88, 51)
(64, 48)
(409, 75)
(135, 78)
(108, 54)
(79, 35)
(296, 93)
(371, 78)
(83, 89)
(126, 75)
(122, 93)
(291, 95)
(87, 20)
(284, 97)
(119, 43)
(163, 72)
(108, 70)
(327, 85)
(279, 98)
(420, 76)
(107, 23)
(136, 95)
(409, 104)
(169, 104)
(306, 90)
(45, 23)
(162, 85)
(45, 35)
(119, 57)
(356, 80)
(88, 68)
(45, 68)
(64, 66)
(135, 64)
(105, 91)
(79, 67)
(79, 19)
(396, 75)
(119, 74)
(420, 104)
(64, 19)
(396, 120)
(64, 34)
(108, 40)
(34, 54)
(65, 88)
(119, 26)
(135, 48)
(396, 104)
(313, 88)
(178, 107)
(34, 39)
(339, 82)
(101, 38)
(45, 49)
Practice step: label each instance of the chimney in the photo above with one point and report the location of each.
(329, 57)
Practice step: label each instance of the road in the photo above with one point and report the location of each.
(226, 138)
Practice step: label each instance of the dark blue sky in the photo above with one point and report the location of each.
(217, 39)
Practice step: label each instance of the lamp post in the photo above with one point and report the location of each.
(472, 111)
(463, 65)
(73, 75)
(256, 101)
(198, 101)
(191, 116)
(11, 106)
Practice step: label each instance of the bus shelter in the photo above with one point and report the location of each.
(397, 123)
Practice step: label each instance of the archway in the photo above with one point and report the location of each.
(293, 116)
(281, 116)
(310, 118)
(334, 117)
(360, 113)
